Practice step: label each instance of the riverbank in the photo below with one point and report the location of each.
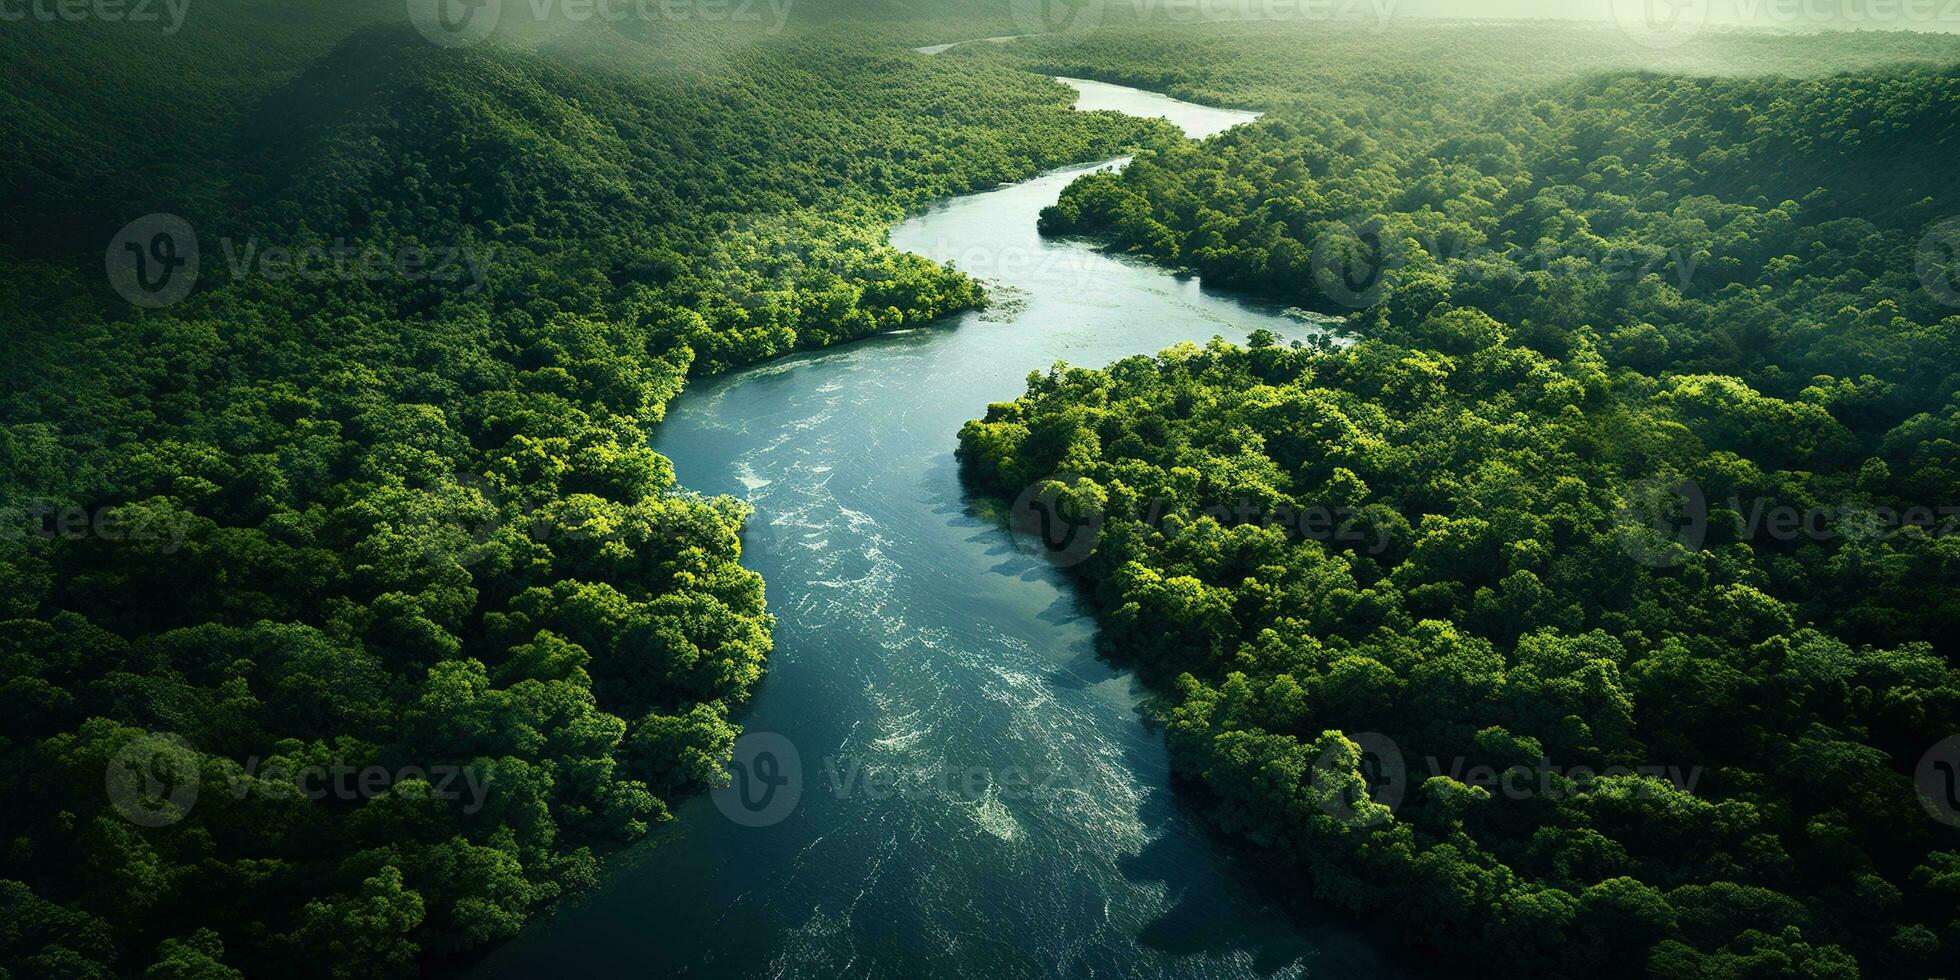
(975, 794)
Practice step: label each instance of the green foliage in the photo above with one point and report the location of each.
(1492, 596)
(410, 525)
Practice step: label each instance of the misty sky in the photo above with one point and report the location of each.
(1942, 15)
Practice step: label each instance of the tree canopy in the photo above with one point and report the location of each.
(1474, 615)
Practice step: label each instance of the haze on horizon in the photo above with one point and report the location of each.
(1922, 15)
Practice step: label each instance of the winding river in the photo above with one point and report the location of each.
(978, 794)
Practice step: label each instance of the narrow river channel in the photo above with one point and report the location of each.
(979, 797)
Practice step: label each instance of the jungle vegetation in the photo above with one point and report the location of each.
(310, 520)
(318, 519)
(1576, 306)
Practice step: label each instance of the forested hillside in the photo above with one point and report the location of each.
(1401, 70)
(1628, 617)
(347, 621)
(332, 518)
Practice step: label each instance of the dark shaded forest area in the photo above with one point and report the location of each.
(311, 519)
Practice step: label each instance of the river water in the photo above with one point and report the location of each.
(978, 796)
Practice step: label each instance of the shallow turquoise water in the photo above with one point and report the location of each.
(978, 795)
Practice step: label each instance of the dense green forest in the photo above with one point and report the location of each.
(1581, 303)
(347, 621)
(305, 526)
